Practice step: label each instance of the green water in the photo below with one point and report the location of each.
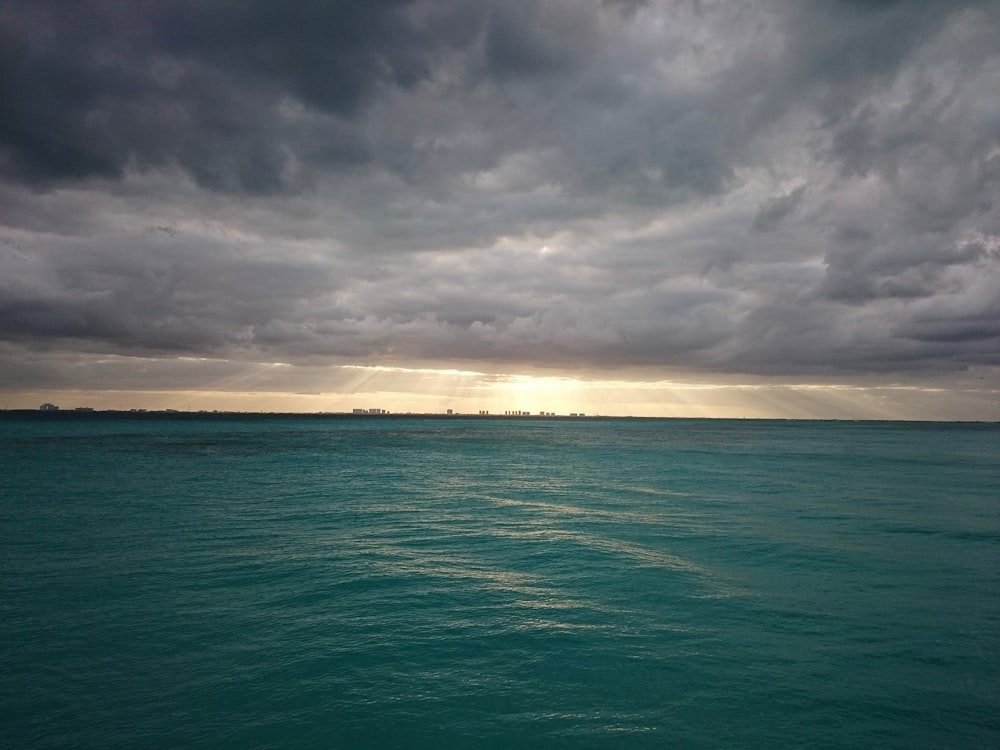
(455, 583)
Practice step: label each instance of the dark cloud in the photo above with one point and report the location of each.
(163, 291)
(918, 268)
(628, 7)
(774, 210)
(758, 187)
(93, 88)
(522, 39)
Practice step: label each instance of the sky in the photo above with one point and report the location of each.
(770, 208)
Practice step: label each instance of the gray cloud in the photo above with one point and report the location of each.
(746, 188)
(774, 210)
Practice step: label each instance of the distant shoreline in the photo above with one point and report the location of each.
(165, 415)
(219, 414)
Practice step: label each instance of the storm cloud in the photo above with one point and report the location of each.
(768, 188)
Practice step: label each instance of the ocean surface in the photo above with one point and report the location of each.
(240, 582)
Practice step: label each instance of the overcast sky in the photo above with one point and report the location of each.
(264, 197)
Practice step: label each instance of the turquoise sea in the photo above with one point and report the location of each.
(323, 582)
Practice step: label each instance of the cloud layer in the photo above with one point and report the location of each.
(770, 188)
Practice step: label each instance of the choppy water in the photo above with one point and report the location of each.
(456, 583)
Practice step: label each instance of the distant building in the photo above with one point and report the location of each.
(84, 408)
(48, 407)
(450, 411)
(370, 411)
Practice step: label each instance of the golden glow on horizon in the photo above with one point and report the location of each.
(226, 385)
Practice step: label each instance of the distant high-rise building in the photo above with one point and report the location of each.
(48, 407)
